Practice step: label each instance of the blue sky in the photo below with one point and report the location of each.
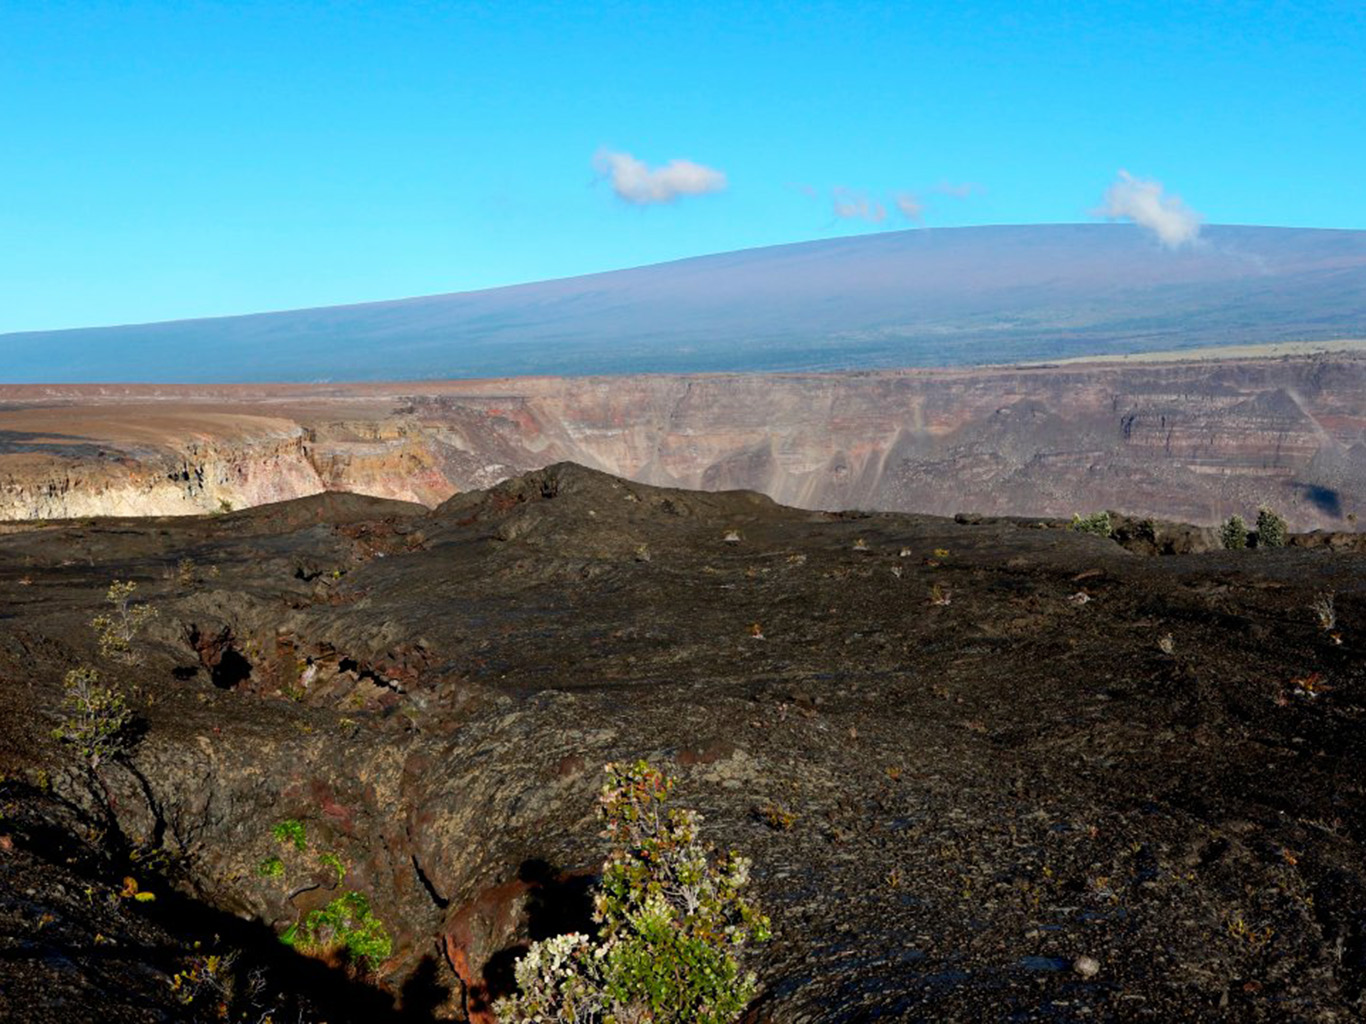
(167, 160)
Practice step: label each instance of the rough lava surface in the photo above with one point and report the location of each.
(965, 755)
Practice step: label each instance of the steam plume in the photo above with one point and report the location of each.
(1147, 205)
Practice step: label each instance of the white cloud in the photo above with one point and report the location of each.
(910, 206)
(874, 207)
(1147, 205)
(851, 205)
(958, 189)
(636, 182)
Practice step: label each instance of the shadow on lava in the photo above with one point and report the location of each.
(558, 902)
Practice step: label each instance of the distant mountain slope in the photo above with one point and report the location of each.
(909, 298)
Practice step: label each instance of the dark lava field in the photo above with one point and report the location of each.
(987, 769)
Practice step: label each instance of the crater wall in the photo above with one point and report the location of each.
(1188, 441)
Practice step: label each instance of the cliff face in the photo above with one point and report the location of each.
(189, 477)
(1195, 442)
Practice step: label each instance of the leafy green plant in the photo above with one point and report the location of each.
(346, 925)
(1271, 529)
(271, 867)
(96, 719)
(671, 915)
(1233, 534)
(335, 863)
(1097, 523)
(291, 830)
(118, 630)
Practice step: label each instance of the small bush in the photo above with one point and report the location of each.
(1097, 523)
(96, 719)
(1233, 534)
(271, 867)
(776, 816)
(117, 631)
(291, 830)
(346, 925)
(186, 572)
(671, 918)
(1271, 528)
(335, 863)
(1325, 610)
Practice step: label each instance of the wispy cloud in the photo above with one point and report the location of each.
(1148, 205)
(636, 182)
(875, 207)
(958, 189)
(910, 206)
(852, 205)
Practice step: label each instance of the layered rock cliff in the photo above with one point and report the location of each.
(1192, 441)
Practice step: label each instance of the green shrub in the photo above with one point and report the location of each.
(96, 719)
(1097, 523)
(671, 916)
(345, 925)
(271, 867)
(1233, 534)
(1271, 528)
(291, 830)
(335, 863)
(117, 631)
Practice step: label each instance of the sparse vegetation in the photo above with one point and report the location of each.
(292, 831)
(206, 980)
(776, 816)
(346, 926)
(96, 719)
(671, 920)
(1097, 523)
(117, 631)
(1233, 534)
(1325, 610)
(335, 863)
(1271, 528)
(186, 572)
(271, 867)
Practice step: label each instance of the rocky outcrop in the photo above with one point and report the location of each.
(190, 477)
